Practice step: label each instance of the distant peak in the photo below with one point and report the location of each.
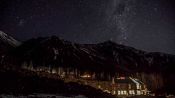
(109, 42)
(55, 37)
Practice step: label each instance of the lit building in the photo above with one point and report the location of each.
(127, 86)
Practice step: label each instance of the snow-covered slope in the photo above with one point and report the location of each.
(8, 39)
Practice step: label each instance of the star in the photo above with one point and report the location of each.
(130, 22)
(155, 9)
(21, 22)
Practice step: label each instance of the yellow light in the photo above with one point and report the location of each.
(85, 76)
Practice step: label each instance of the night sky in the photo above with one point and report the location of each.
(144, 24)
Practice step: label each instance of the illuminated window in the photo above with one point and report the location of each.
(119, 93)
(131, 92)
(114, 92)
(138, 92)
(141, 92)
(138, 86)
(99, 86)
(124, 92)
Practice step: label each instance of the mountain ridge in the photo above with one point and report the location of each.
(101, 52)
(107, 57)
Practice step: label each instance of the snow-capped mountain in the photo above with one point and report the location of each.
(8, 39)
(107, 57)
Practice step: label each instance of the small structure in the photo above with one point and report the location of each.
(127, 86)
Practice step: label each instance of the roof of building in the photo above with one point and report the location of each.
(140, 82)
(124, 80)
(128, 80)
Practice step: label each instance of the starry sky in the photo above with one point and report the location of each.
(143, 24)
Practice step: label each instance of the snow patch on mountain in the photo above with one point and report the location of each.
(8, 39)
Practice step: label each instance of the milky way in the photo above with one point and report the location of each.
(144, 24)
(120, 12)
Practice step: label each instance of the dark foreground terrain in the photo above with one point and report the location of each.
(25, 83)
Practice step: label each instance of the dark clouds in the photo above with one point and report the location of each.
(144, 24)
